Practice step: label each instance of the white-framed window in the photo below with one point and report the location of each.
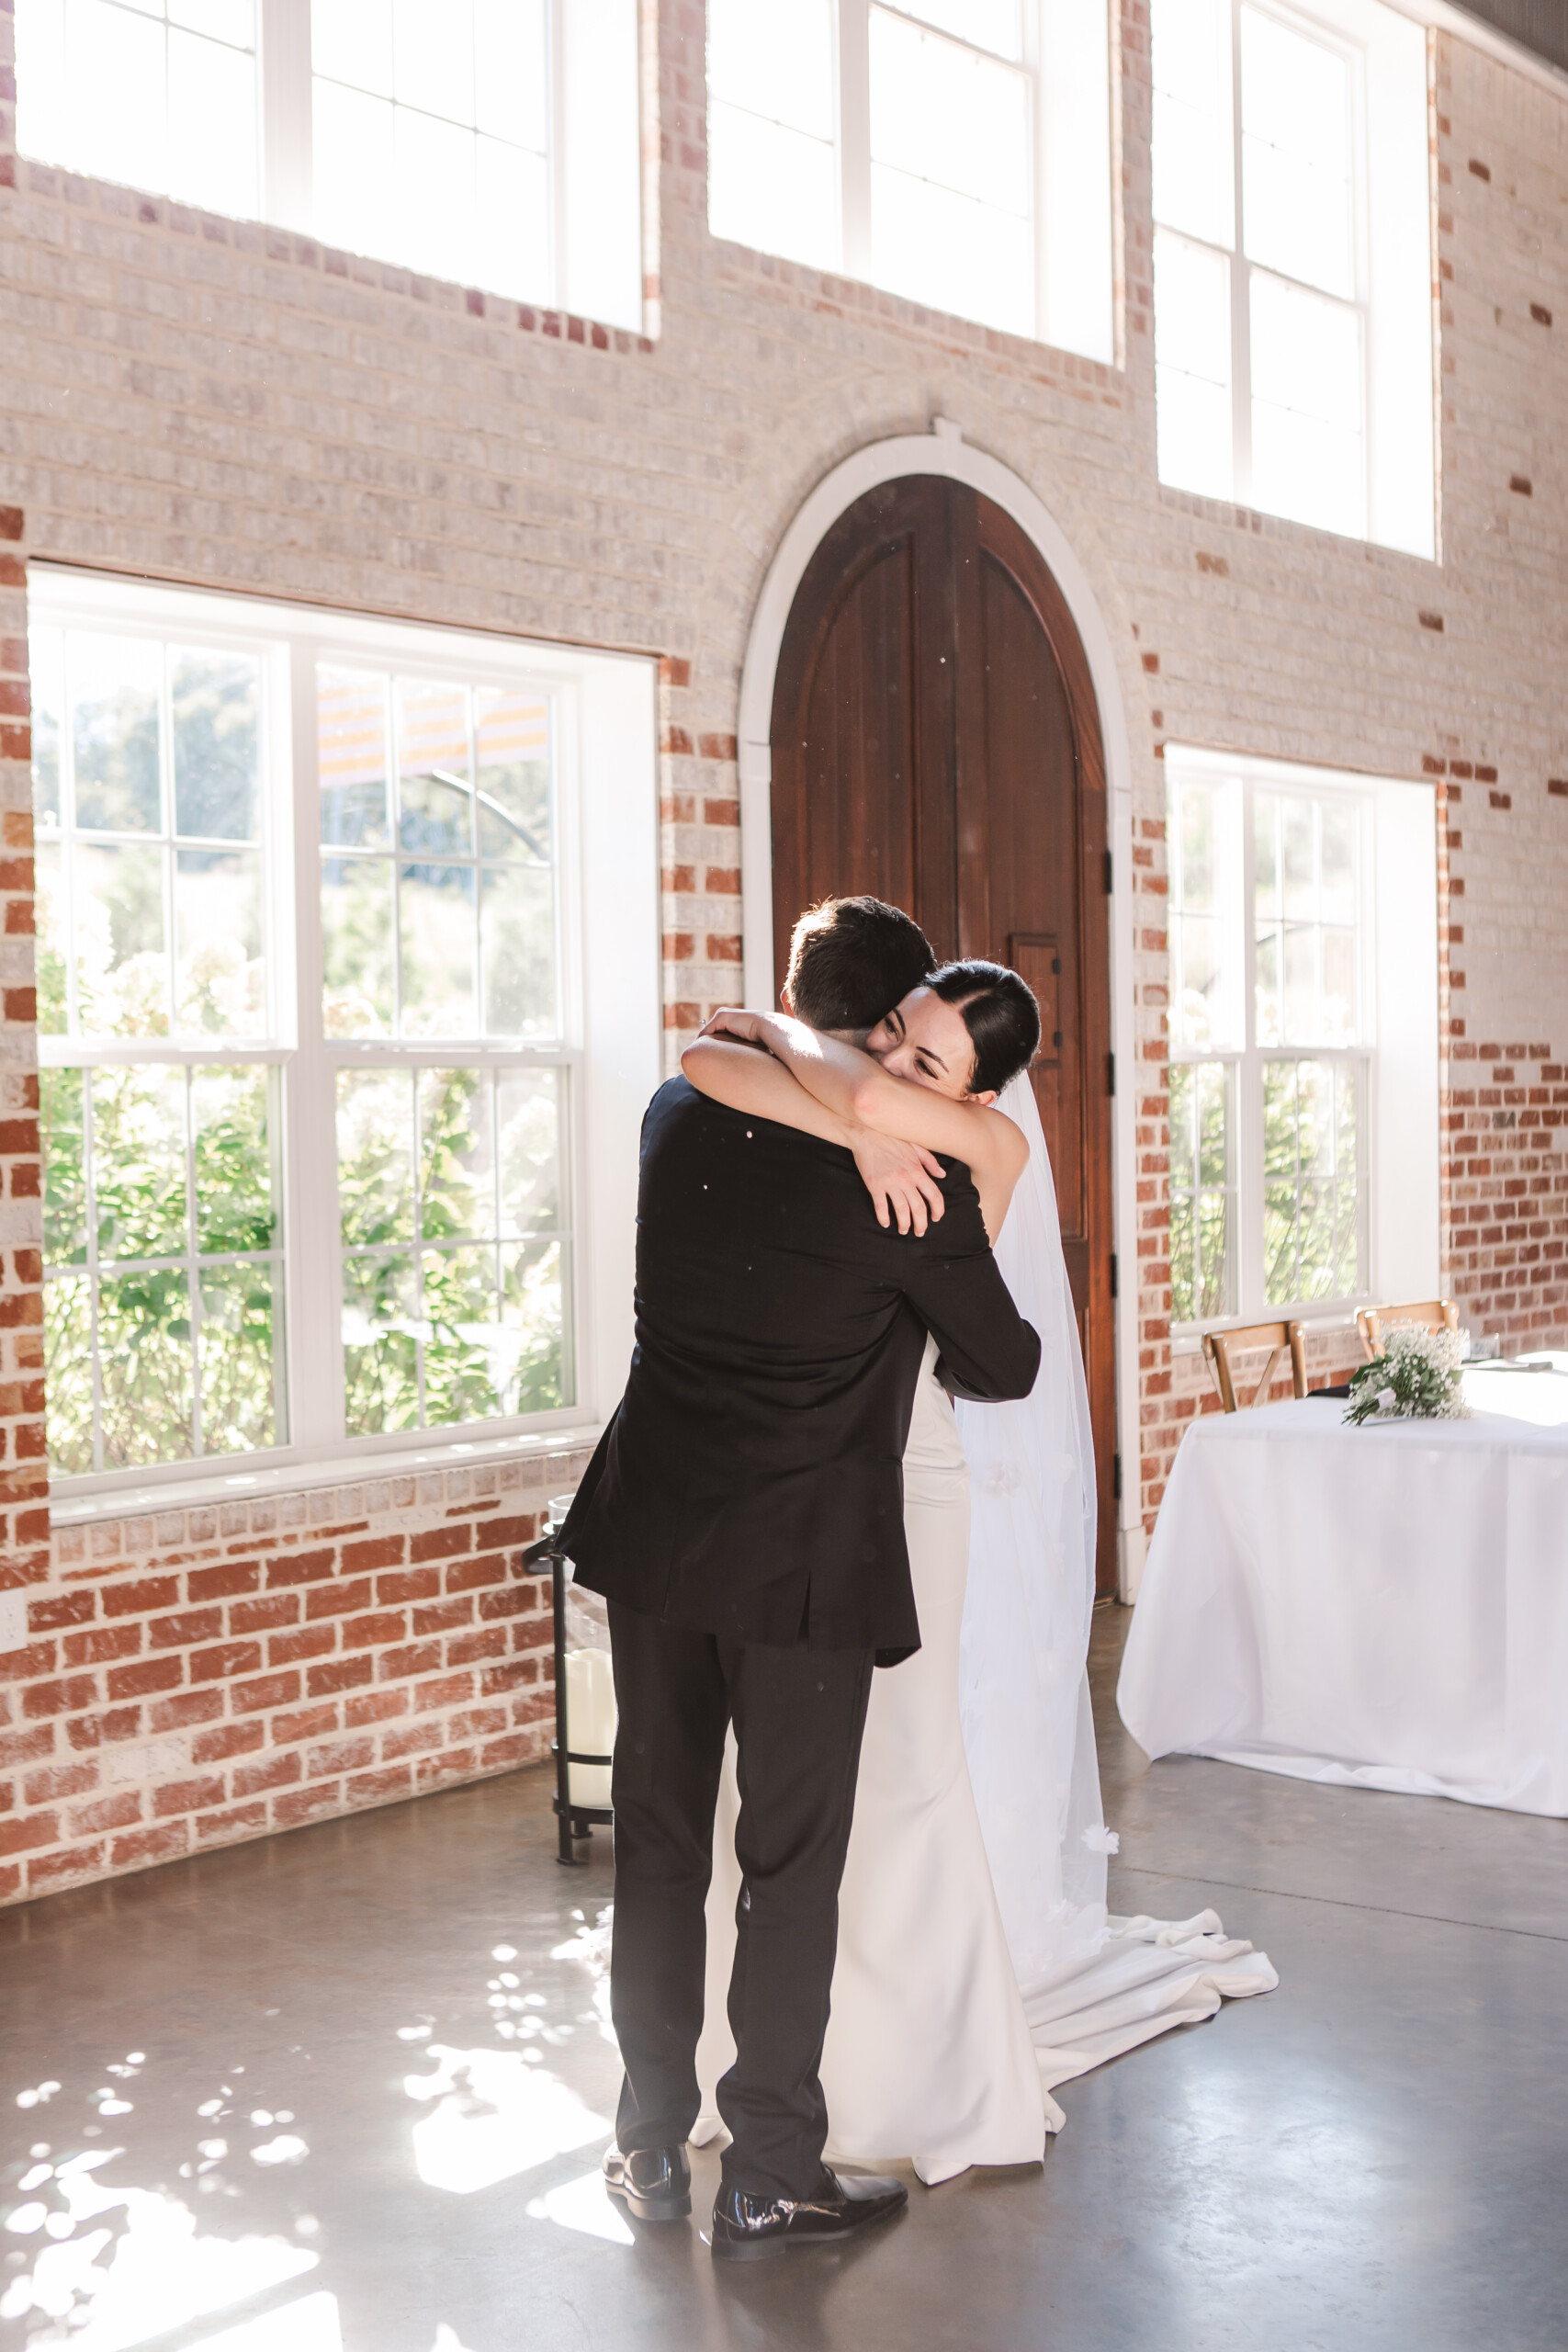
(348, 1011)
(495, 142)
(1302, 1073)
(1292, 262)
(956, 151)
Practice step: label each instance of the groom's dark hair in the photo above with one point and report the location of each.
(850, 960)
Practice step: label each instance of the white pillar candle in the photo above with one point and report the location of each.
(589, 1723)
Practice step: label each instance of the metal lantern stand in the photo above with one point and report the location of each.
(574, 1823)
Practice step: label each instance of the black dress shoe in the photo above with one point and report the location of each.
(655, 2184)
(748, 2229)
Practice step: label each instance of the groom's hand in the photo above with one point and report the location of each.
(903, 1179)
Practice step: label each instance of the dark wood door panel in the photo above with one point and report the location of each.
(935, 740)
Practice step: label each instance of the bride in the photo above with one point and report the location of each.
(977, 1965)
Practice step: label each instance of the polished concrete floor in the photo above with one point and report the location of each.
(349, 2089)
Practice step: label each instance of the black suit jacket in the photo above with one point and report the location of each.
(751, 1482)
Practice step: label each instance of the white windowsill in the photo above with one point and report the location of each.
(70, 1509)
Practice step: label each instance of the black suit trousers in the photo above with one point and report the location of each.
(798, 1716)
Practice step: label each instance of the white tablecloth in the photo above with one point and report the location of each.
(1384, 1607)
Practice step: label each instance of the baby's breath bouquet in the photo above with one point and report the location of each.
(1415, 1377)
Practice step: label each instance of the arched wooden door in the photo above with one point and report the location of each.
(936, 741)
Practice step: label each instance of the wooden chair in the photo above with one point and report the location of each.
(1219, 1347)
(1432, 1314)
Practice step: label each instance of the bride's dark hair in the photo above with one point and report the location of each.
(1000, 1015)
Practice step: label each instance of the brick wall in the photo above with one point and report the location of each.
(227, 1669)
(220, 403)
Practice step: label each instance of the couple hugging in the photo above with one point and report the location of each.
(780, 1506)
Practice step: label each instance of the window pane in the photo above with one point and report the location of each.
(139, 1161)
(435, 220)
(350, 758)
(529, 1127)
(951, 198)
(432, 57)
(380, 1344)
(357, 947)
(1193, 148)
(772, 188)
(509, 85)
(68, 1373)
(116, 117)
(1306, 874)
(222, 979)
(989, 24)
(212, 108)
(122, 965)
(1201, 1191)
(351, 41)
(536, 1318)
(435, 912)
(1308, 452)
(456, 1162)
(776, 63)
(1194, 421)
(942, 113)
(1295, 151)
(115, 683)
(215, 700)
(113, 92)
(375, 1156)
(1204, 848)
(146, 1369)
(1313, 1196)
(514, 735)
(436, 790)
(355, 199)
(232, 1153)
(240, 1350)
(511, 251)
(517, 935)
(465, 1347)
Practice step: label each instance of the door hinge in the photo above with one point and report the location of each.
(1115, 1292)
(1116, 1477)
(1110, 1073)
(1110, 875)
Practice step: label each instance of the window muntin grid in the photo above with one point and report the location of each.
(1260, 354)
(173, 1075)
(1270, 1174)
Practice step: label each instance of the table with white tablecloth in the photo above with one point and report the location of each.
(1384, 1607)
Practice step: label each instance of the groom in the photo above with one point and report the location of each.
(743, 1515)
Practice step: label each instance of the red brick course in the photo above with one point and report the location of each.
(225, 1672)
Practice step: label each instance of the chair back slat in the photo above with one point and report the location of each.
(1432, 1314)
(1221, 1347)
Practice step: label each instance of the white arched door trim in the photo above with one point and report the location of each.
(944, 452)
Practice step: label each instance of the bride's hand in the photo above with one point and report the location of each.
(730, 1020)
(903, 1179)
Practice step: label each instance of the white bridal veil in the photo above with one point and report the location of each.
(1092, 1986)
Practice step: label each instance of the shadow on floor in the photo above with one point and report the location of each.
(345, 2091)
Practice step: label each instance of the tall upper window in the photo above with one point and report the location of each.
(310, 1027)
(1293, 296)
(1286, 1048)
(952, 151)
(492, 141)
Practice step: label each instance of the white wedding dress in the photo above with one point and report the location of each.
(978, 1966)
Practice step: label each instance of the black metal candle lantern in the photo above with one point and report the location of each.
(574, 1823)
